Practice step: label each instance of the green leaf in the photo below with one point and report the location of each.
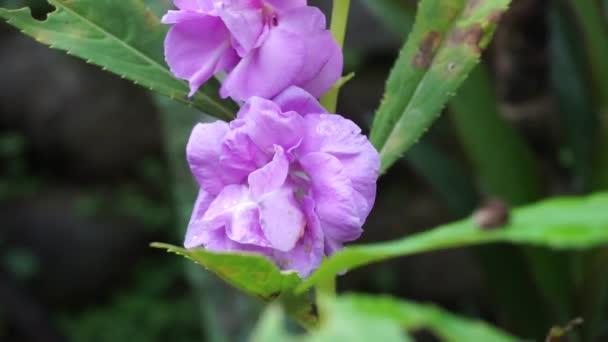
(355, 317)
(256, 276)
(341, 323)
(444, 46)
(413, 316)
(250, 273)
(559, 223)
(574, 93)
(120, 36)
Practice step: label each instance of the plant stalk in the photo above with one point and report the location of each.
(339, 20)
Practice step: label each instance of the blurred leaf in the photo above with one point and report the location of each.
(507, 170)
(147, 310)
(446, 175)
(271, 327)
(579, 121)
(341, 323)
(412, 316)
(594, 27)
(442, 49)
(355, 317)
(397, 14)
(254, 275)
(499, 155)
(22, 263)
(559, 223)
(159, 7)
(120, 36)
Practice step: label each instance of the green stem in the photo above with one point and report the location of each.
(339, 19)
(325, 289)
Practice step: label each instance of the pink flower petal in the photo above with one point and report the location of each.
(332, 192)
(246, 25)
(298, 100)
(270, 177)
(194, 234)
(268, 126)
(203, 154)
(281, 218)
(197, 49)
(267, 70)
(284, 5)
(342, 139)
(308, 253)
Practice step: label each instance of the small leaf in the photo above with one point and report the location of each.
(559, 223)
(355, 317)
(250, 273)
(444, 46)
(122, 37)
(256, 276)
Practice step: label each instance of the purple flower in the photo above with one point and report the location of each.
(284, 179)
(265, 46)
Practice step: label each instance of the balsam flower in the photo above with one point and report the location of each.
(284, 179)
(265, 46)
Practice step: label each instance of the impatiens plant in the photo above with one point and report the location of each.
(284, 179)
(284, 182)
(265, 46)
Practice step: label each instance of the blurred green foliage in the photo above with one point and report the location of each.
(149, 310)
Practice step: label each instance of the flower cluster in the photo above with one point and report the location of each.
(285, 179)
(265, 46)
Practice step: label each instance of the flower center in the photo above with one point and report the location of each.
(269, 14)
(301, 180)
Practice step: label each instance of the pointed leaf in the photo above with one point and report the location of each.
(444, 46)
(560, 223)
(120, 36)
(256, 276)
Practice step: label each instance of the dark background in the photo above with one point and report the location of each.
(85, 186)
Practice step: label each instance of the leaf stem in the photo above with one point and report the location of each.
(325, 289)
(339, 20)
